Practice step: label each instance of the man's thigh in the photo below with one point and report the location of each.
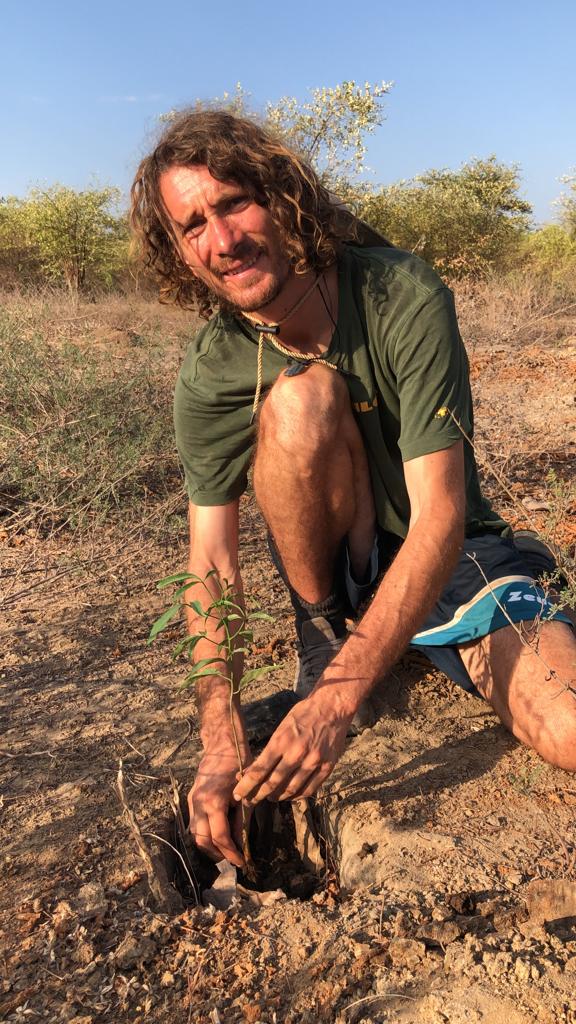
(527, 672)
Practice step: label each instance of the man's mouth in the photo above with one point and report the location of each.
(241, 268)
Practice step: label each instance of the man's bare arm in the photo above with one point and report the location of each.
(214, 559)
(305, 747)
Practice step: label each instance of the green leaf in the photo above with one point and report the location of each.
(163, 621)
(187, 644)
(184, 589)
(201, 673)
(255, 673)
(262, 616)
(178, 577)
(203, 662)
(196, 606)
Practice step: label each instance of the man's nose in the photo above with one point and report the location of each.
(225, 237)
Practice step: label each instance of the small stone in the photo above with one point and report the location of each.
(440, 914)
(439, 933)
(84, 953)
(497, 964)
(133, 950)
(550, 899)
(522, 970)
(570, 965)
(406, 952)
(64, 919)
(463, 902)
(515, 878)
(91, 901)
(403, 926)
(158, 930)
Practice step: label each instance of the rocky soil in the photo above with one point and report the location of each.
(450, 889)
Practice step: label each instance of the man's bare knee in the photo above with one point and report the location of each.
(558, 744)
(305, 411)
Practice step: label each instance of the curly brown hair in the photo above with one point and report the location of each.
(312, 225)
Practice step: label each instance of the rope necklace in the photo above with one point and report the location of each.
(269, 332)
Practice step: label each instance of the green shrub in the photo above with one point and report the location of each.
(60, 236)
(465, 223)
(550, 252)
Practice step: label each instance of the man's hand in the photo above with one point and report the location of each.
(300, 754)
(209, 802)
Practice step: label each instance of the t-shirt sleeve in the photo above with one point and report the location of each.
(214, 444)
(431, 370)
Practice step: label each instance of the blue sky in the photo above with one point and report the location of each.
(81, 86)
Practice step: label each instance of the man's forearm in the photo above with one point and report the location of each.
(404, 598)
(217, 697)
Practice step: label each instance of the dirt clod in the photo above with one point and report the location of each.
(406, 952)
(133, 951)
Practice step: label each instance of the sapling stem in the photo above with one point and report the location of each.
(221, 612)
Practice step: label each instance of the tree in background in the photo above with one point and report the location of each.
(330, 130)
(18, 262)
(79, 239)
(463, 222)
(567, 205)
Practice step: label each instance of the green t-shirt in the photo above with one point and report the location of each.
(398, 347)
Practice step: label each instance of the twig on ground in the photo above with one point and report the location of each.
(153, 880)
(174, 799)
(177, 852)
(384, 995)
(29, 753)
(135, 749)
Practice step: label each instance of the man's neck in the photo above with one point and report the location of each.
(311, 326)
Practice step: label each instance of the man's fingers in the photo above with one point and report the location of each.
(251, 782)
(212, 836)
(305, 782)
(222, 839)
(275, 783)
(200, 832)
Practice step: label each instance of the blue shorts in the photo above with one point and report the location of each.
(493, 584)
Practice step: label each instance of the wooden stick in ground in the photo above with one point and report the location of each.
(154, 883)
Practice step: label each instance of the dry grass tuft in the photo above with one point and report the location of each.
(522, 310)
(86, 411)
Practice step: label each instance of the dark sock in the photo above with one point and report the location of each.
(334, 608)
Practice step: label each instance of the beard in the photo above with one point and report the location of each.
(253, 297)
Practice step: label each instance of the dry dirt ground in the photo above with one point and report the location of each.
(456, 848)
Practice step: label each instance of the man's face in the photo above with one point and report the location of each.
(228, 240)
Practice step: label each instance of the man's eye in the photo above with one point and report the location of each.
(238, 202)
(193, 230)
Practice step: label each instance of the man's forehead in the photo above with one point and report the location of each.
(185, 185)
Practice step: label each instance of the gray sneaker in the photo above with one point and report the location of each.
(319, 644)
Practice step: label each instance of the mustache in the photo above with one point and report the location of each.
(241, 255)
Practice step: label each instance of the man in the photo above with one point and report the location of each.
(338, 372)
